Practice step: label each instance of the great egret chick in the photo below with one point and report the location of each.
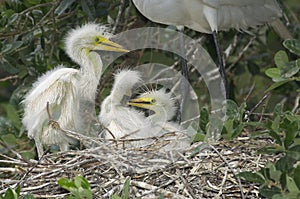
(211, 16)
(163, 106)
(56, 95)
(120, 120)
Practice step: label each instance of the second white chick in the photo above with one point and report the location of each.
(163, 105)
(120, 120)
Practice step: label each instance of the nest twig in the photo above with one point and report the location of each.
(202, 171)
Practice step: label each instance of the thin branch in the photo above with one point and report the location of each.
(240, 55)
(122, 7)
(256, 106)
(9, 78)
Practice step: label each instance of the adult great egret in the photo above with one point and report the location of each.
(56, 95)
(209, 16)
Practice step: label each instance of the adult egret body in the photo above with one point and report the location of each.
(211, 16)
(56, 95)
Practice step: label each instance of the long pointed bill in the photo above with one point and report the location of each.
(108, 45)
(143, 102)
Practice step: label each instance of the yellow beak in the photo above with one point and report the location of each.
(108, 45)
(143, 102)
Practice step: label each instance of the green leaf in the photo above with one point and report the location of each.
(64, 5)
(8, 63)
(231, 110)
(65, 183)
(116, 197)
(289, 70)
(79, 187)
(126, 189)
(6, 126)
(11, 194)
(6, 48)
(291, 130)
(294, 153)
(89, 8)
(18, 95)
(281, 59)
(293, 195)
(271, 150)
(274, 173)
(14, 46)
(9, 139)
(279, 196)
(278, 110)
(238, 129)
(269, 192)
(12, 115)
(13, 18)
(296, 176)
(18, 190)
(292, 45)
(285, 164)
(81, 182)
(276, 124)
(32, 2)
(297, 63)
(198, 137)
(198, 149)
(278, 84)
(27, 155)
(252, 177)
(291, 185)
(275, 74)
(286, 69)
(204, 118)
(228, 126)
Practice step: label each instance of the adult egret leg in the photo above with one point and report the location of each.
(185, 76)
(221, 64)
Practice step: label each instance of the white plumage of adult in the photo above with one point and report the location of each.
(211, 16)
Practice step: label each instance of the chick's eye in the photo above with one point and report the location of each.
(97, 40)
(153, 101)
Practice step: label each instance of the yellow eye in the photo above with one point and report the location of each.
(97, 40)
(153, 101)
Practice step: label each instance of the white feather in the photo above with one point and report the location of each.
(209, 15)
(64, 89)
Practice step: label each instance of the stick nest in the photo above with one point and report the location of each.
(201, 171)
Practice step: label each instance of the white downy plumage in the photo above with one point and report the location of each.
(63, 88)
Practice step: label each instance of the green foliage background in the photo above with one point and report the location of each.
(31, 42)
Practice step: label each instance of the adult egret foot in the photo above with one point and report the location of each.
(60, 90)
